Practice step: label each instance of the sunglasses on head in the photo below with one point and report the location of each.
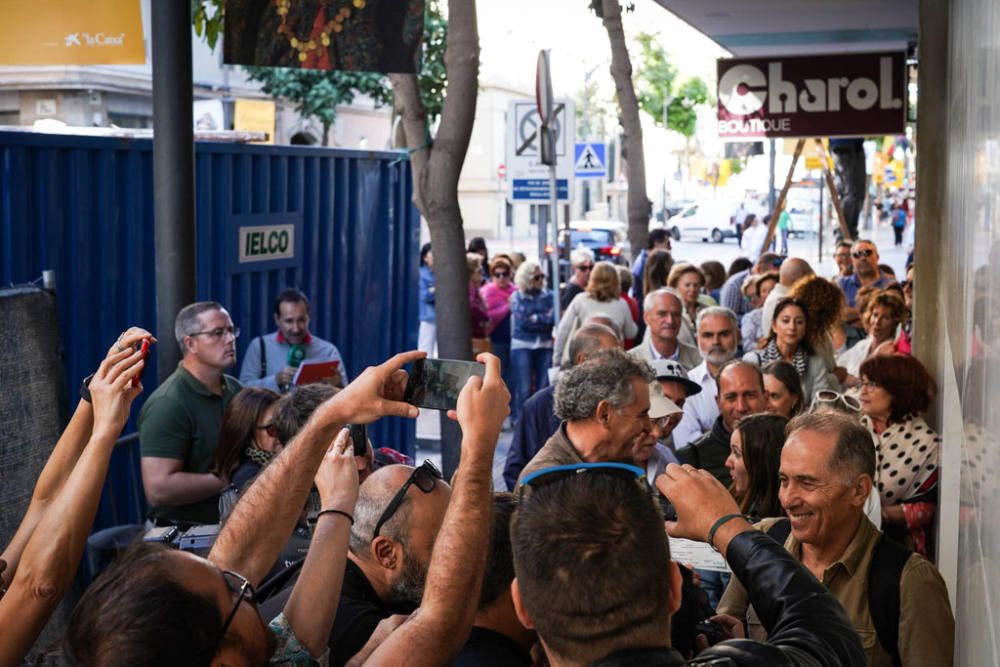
(834, 399)
(858, 254)
(424, 476)
(555, 473)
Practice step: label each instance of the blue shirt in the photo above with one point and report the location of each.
(852, 284)
(276, 353)
(427, 313)
(731, 295)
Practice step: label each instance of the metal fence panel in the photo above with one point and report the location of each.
(83, 206)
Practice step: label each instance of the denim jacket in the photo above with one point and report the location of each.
(426, 295)
(533, 314)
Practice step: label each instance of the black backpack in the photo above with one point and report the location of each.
(888, 561)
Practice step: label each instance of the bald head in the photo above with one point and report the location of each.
(589, 340)
(793, 269)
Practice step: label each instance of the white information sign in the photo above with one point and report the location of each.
(527, 176)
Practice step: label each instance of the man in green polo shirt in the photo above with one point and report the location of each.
(179, 423)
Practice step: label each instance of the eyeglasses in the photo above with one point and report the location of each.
(218, 333)
(584, 267)
(835, 399)
(271, 429)
(858, 254)
(501, 274)
(538, 276)
(424, 477)
(668, 421)
(548, 475)
(238, 584)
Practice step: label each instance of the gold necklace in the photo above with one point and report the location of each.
(334, 25)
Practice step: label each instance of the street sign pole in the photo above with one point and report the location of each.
(554, 218)
(548, 154)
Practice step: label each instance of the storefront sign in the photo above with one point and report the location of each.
(72, 32)
(810, 96)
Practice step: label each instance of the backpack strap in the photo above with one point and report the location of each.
(263, 358)
(780, 530)
(888, 561)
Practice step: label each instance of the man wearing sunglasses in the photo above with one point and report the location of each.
(605, 409)
(180, 421)
(864, 258)
(598, 585)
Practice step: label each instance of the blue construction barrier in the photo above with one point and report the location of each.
(83, 206)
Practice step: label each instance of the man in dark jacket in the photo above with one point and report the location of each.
(741, 393)
(614, 609)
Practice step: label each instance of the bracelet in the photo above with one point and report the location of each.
(340, 512)
(718, 524)
(85, 388)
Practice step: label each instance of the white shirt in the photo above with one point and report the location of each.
(700, 410)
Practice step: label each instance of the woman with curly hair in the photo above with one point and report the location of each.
(789, 340)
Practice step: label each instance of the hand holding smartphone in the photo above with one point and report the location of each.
(436, 383)
(143, 347)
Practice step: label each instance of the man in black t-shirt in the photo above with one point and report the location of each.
(498, 638)
(390, 549)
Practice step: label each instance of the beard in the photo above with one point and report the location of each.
(717, 355)
(407, 589)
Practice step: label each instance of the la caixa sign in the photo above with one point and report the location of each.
(812, 96)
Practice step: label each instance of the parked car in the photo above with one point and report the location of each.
(607, 239)
(710, 219)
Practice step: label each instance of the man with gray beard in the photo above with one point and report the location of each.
(717, 339)
(396, 520)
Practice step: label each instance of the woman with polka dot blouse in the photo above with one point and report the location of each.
(895, 391)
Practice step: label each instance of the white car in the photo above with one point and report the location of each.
(710, 219)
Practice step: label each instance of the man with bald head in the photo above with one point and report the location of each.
(792, 270)
(662, 313)
(538, 421)
(740, 393)
(396, 520)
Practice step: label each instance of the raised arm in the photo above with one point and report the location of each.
(436, 632)
(53, 551)
(312, 607)
(57, 469)
(266, 513)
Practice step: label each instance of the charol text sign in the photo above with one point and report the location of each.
(809, 96)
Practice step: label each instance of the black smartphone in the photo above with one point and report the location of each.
(436, 383)
(359, 436)
(666, 508)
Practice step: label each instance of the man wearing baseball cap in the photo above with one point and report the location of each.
(649, 451)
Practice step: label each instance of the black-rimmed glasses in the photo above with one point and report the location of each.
(238, 584)
(424, 477)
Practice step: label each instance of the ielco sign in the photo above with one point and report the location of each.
(812, 96)
(266, 243)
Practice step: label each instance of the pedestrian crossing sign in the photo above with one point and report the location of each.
(590, 160)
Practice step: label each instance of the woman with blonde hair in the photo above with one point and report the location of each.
(532, 309)
(600, 298)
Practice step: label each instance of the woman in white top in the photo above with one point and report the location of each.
(881, 320)
(602, 297)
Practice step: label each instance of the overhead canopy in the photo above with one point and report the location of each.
(784, 27)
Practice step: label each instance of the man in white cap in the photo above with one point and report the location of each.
(649, 451)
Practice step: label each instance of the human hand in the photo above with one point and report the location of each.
(731, 626)
(111, 389)
(699, 499)
(376, 393)
(482, 406)
(337, 477)
(386, 627)
(128, 338)
(283, 378)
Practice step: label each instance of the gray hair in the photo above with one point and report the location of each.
(606, 376)
(608, 321)
(581, 255)
(854, 453)
(189, 319)
(373, 498)
(647, 302)
(717, 311)
(522, 277)
(587, 341)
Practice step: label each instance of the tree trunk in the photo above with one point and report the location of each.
(639, 206)
(436, 169)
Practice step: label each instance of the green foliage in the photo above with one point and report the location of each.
(316, 93)
(657, 85)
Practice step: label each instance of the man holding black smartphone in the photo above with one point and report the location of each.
(273, 359)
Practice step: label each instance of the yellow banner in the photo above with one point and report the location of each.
(255, 116)
(71, 32)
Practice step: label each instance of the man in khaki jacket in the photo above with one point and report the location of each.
(827, 465)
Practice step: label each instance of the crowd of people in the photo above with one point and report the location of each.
(774, 414)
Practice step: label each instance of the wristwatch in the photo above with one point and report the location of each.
(85, 388)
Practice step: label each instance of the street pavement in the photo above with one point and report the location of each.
(428, 426)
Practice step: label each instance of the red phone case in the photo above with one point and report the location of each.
(144, 349)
